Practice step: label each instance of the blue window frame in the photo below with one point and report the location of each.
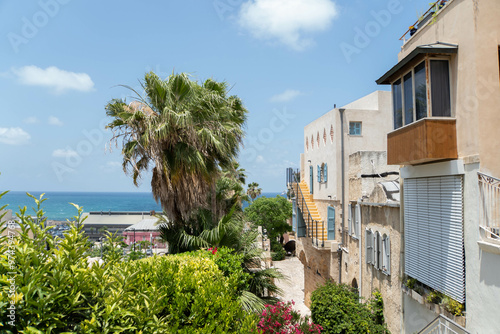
(355, 128)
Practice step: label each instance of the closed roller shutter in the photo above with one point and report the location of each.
(434, 255)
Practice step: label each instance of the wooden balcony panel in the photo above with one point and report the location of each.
(429, 139)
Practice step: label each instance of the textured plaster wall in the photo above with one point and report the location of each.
(385, 220)
(474, 26)
(374, 111)
(367, 163)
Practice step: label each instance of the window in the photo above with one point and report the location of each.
(489, 209)
(397, 104)
(355, 128)
(386, 255)
(440, 88)
(307, 144)
(408, 98)
(433, 232)
(354, 220)
(420, 91)
(324, 136)
(409, 93)
(369, 246)
(322, 176)
(331, 133)
(317, 138)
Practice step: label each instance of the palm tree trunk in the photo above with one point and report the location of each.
(214, 201)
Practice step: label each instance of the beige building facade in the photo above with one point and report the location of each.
(446, 96)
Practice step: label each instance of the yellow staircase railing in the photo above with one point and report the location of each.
(315, 226)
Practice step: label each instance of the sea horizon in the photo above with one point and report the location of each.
(57, 206)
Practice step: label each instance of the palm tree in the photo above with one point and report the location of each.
(253, 190)
(183, 131)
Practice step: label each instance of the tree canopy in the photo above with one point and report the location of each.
(270, 213)
(185, 132)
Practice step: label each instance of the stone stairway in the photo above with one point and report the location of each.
(314, 222)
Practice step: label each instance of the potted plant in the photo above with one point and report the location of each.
(413, 30)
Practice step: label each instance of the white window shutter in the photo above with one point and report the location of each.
(388, 255)
(434, 241)
(369, 248)
(349, 220)
(357, 229)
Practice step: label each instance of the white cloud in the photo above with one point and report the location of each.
(286, 96)
(55, 121)
(55, 78)
(64, 153)
(31, 120)
(111, 166)
(14, 136)
(287, 20)
(260, 159)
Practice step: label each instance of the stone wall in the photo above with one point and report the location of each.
(320, 264)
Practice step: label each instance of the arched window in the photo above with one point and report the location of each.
(307, 144)
(317, 138)
(324, 136)
(331, 133)
(312, 142)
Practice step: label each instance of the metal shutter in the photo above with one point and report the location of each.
(433, 212)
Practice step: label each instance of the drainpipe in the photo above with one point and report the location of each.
(359, 241)
(341, 111)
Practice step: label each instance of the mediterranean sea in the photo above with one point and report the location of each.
(57, 206)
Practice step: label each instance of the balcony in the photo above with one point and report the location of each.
(427, 140)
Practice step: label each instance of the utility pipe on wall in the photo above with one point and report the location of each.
(341, 111)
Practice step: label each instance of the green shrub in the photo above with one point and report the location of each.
(453, 306)
(336, 308)
(278, 253)
(434, 297)
(57, 290)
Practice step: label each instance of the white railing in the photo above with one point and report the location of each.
(443, 325)
(489, 208)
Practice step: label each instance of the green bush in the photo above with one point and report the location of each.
(277, 251)
(434, 297)
(57, 290)
(336, 308)
(453, 306)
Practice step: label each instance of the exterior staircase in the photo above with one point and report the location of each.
(316, 228)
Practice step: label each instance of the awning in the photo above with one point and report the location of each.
(435, 48)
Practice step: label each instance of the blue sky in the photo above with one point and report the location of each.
(289, 60)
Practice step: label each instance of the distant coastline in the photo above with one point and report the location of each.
(57, 206)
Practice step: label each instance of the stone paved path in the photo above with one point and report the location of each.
(293, 286)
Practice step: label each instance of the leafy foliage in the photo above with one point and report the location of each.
(58, 290)
(271, 214)
(282, 318)
(185, 132)
(278, 253)
(336, 308)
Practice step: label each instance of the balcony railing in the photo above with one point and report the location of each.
(426, 140)
(424, 18)
(313, 226)
(489, 208)
(443, 325)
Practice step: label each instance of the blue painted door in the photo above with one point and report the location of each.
(331, 223)
(311, 179)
